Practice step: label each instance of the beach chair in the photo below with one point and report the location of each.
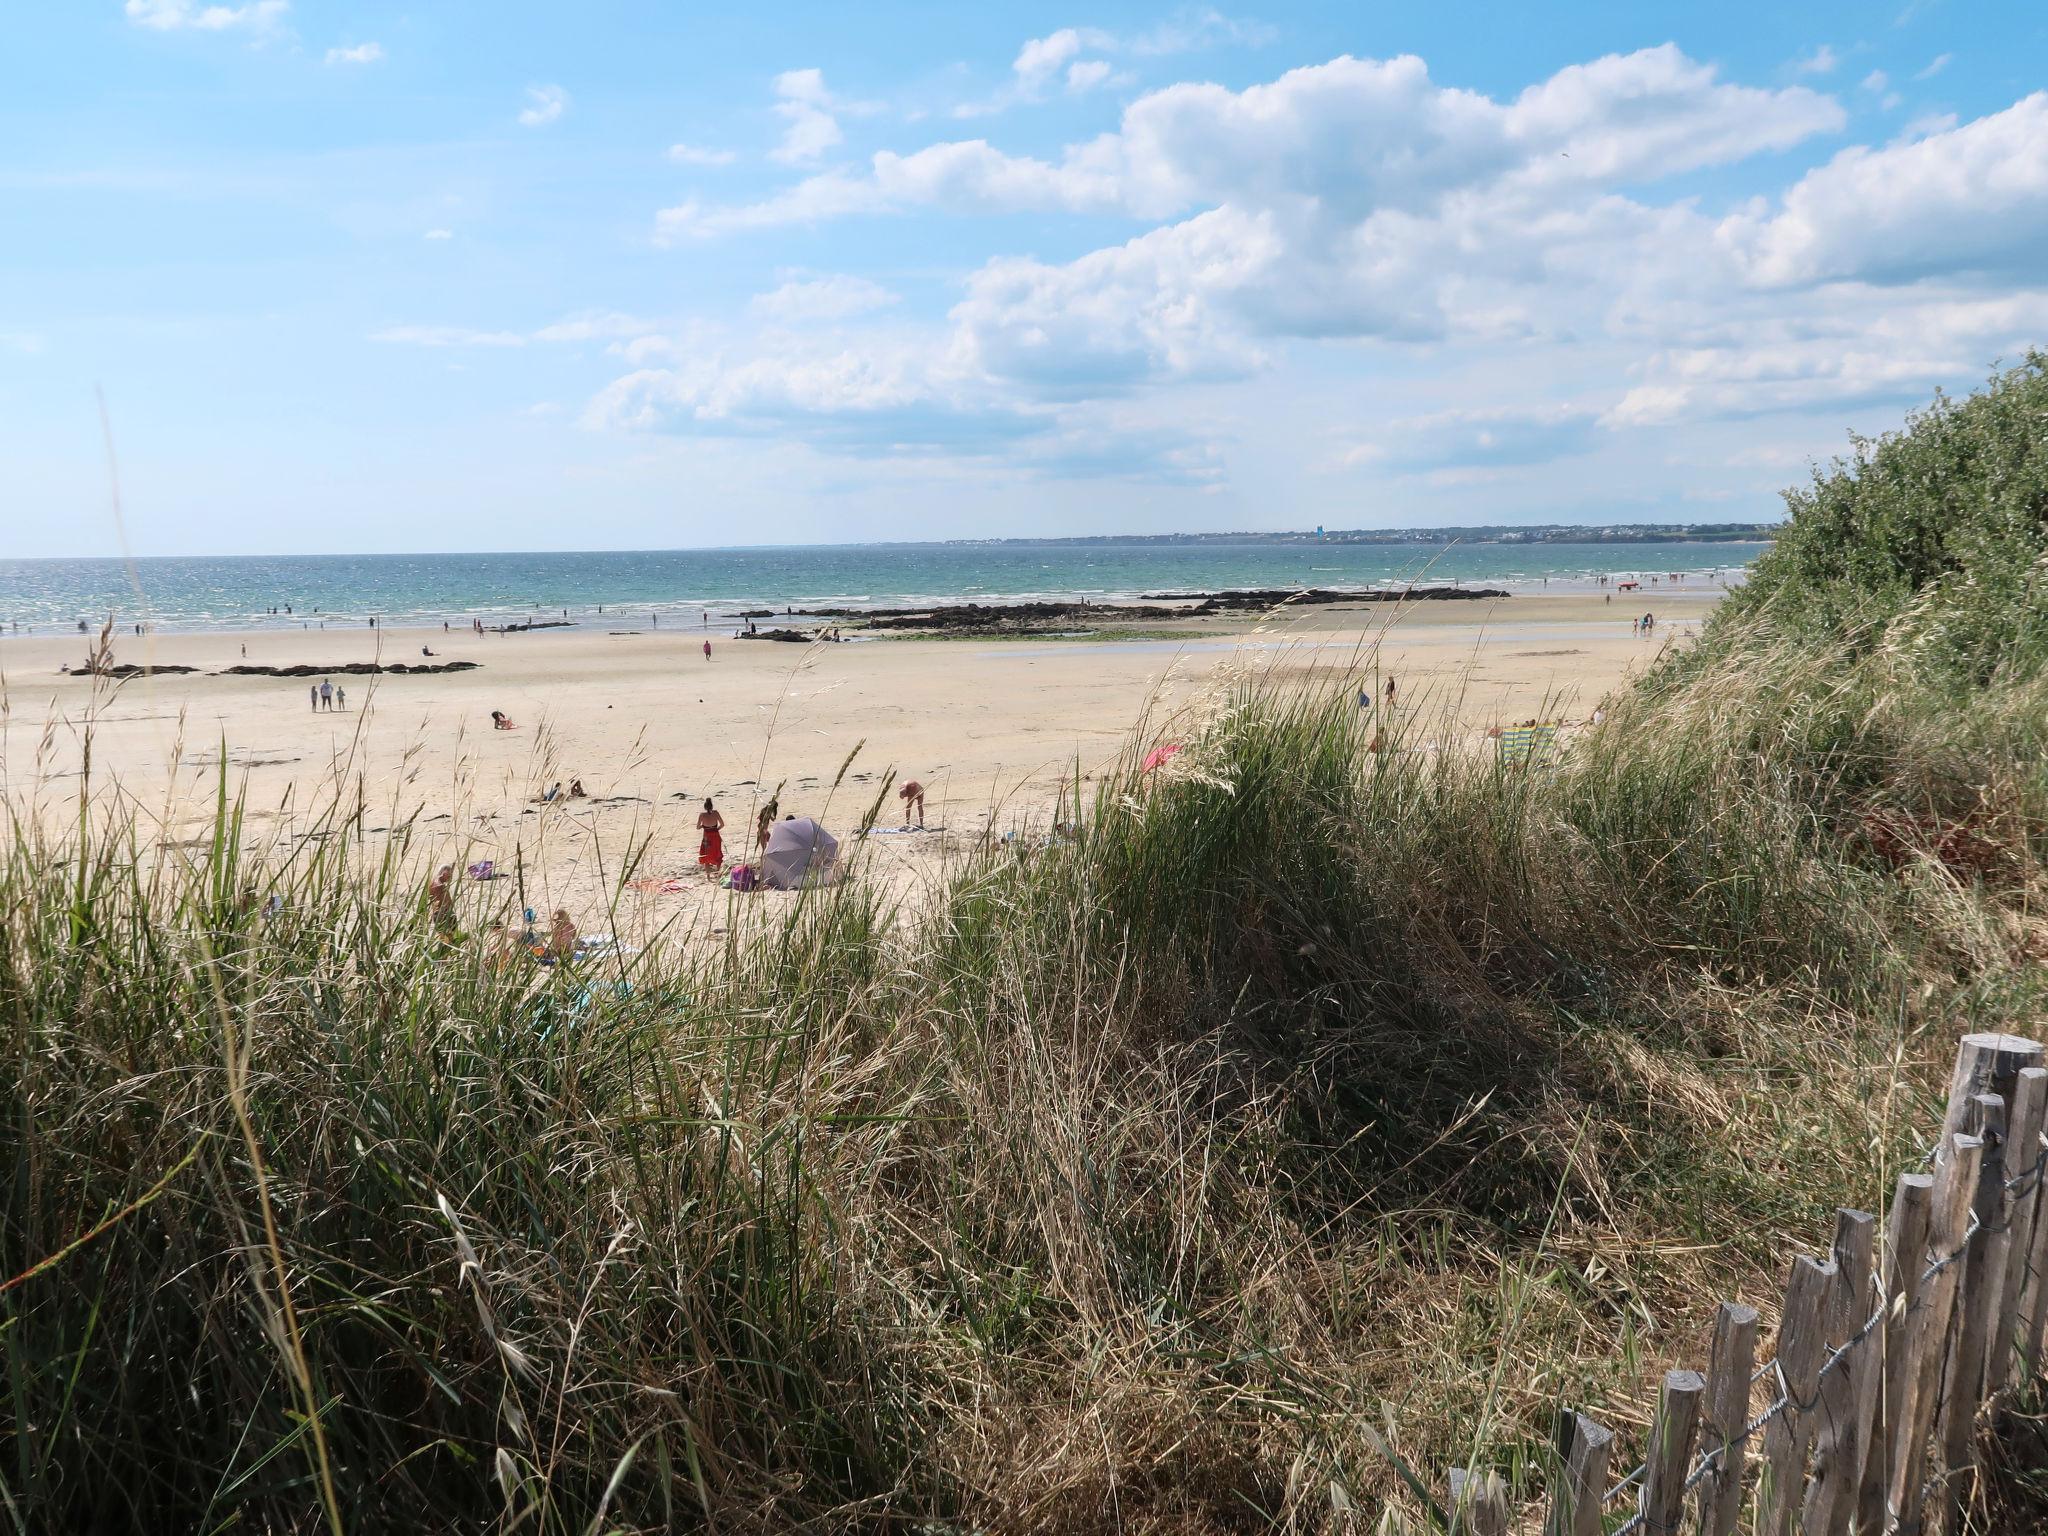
(1528, 746)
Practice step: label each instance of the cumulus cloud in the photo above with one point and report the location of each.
(823, 298)
(545, 104)
(811, 114)
(1354, 136)
(189, 16)
(1359, 201)
(361, 53)
(1972, 198)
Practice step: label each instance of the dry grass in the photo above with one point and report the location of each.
(1312, 1112)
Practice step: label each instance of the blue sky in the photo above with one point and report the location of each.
(617, 275)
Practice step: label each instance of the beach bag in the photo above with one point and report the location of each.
(740, 877)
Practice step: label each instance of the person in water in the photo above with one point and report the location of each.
(710, 847)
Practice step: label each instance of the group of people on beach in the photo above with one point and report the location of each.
(325, 695)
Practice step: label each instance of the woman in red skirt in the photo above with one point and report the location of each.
(711, 849)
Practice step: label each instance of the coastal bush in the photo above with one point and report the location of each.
(1930, 539)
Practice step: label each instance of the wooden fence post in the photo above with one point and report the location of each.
(1583, 1448)
(2033, 1322)
(1926, 1331)
(1905, 1254)
(2013, 1242)
(1672, 1436)
(1984, 1064)
(1802, 1341)
(1728, 1373)
(1962, 1394)
(1838, 1438)
(1479, 1503)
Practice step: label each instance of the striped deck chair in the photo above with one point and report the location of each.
(1528, 745)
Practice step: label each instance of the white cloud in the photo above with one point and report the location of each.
(361, 53)
(1822, 61)
(1935, 66)
(1042, 60)
(1086, 74)
(810, 111)
(1359, 202)
(1971, 199)
(695, 154)
(546, 104)
(188, 15)
(439, 234)
(1347, 138)
(1876, 80)
(823, 298)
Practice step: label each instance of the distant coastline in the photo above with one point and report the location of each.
(1482, 533)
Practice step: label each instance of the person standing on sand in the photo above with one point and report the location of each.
(441, 904)
(341, 698)
(711, 846)
(762, 823)
(1390, 693)
(912, 794)
(313, 692)
(326, 693)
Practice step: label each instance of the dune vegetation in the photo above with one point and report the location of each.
(1309, 1117)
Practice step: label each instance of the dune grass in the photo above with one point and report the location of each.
(1316, 1108)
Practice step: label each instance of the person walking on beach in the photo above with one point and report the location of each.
(326, 693)
(711, 846)
(707, 650)
(1390, 693)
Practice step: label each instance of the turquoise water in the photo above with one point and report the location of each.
(240, 592)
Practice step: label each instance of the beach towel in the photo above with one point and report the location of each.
(483, 869)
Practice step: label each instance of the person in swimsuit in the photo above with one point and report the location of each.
(711, 847)
(912, 795)
(763, 822)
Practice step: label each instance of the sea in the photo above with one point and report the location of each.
(215, 593)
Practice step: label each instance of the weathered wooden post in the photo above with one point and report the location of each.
(1583, 1448)
(1479, 1503)
(1838, 1437)
(1962, 1393)
(1905, 1254)
(1672, 1436)
(1802, 1342)
(1984, 1064)
(1926, 1331)
(1728, 1373)
(2013, 1239)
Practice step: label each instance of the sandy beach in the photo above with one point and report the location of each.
(651, 727)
